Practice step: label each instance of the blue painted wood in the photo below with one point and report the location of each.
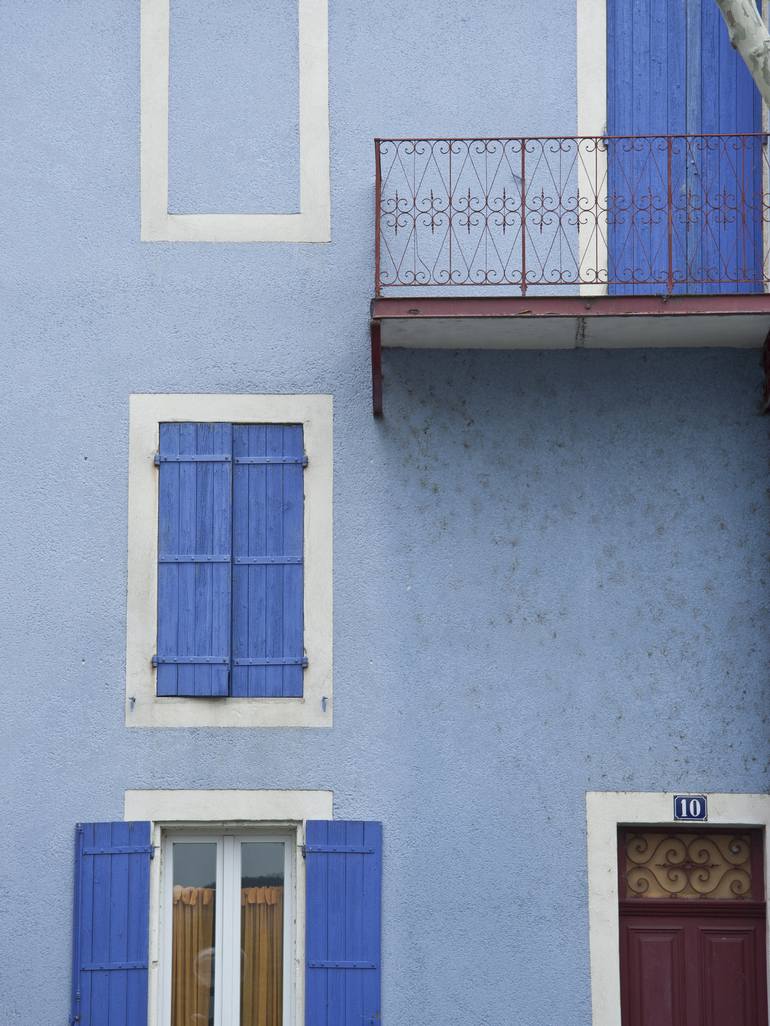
(671, 71)
(268, 572)
(194, 554)
(343, 956)
(111, 924)
(725, 175)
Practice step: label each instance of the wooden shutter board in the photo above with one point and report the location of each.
(671, 70)
(344, 883)
(268, 558)
(111, 924)
(195, 496)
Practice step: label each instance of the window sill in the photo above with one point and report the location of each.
(227, 712)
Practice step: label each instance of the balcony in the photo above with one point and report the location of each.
(570, 242)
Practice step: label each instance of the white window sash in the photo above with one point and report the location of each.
(227, 921)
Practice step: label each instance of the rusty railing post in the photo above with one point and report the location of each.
(669, 148)
(377, 208)
(523, 219)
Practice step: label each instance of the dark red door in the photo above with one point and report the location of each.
(692, 928)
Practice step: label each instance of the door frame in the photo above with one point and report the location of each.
(606, 811)
(591, 67)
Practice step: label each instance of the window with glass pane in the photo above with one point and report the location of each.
(228, 933)
(193, 916)
(261, 934)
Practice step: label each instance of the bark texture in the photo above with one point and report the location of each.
(749, 36)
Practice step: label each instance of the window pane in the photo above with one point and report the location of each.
(262, 933)
(192, 975)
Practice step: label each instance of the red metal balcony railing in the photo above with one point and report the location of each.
(632, 214)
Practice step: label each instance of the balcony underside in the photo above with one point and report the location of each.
(565, 322)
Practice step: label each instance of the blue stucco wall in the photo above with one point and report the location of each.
(550, 569)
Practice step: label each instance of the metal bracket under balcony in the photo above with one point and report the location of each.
(605, 242)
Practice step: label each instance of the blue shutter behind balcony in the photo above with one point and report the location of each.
(111, 924)
(671, 70)
(344, 884)
(194, 553)
(268, 515)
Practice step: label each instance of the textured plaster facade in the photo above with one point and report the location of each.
(550, 570)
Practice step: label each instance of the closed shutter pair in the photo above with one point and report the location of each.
(111, 924)
(230, 560)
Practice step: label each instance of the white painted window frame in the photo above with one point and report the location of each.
(240, 811)
(592, 118)
(227, 929)
(313, 222)
(606, 811)
(143, 707)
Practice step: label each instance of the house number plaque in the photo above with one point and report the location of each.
(691, 807)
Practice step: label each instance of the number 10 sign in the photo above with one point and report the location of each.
(692, 807)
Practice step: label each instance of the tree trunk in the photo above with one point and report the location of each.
(749, 36)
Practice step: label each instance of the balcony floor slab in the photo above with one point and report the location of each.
(566, 322)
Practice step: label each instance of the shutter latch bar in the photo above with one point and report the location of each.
(105, 967)
(190, 660)
(272, 661)
(337, 849)
(193, 458)
(121, 849)
(343, 965)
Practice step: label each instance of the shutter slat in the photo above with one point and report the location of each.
(268, 572)
(194, 553)
(344, 883)
(274, 574)
(293, 574)
(111, 924)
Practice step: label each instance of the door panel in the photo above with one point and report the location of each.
(727, 958)
(654, 993)
(692, 970)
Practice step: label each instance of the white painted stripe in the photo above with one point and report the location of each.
(592, 121)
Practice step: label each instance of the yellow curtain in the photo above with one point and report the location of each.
(262, 954)
(192, 956)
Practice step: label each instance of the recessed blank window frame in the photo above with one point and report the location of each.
(313, 222)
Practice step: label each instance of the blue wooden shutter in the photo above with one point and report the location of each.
(342, 949)
(671, 70)
(194, 553)
(724, 176)
(646, 95)
(111, 924)
(268, 516)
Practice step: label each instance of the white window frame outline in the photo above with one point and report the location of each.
(184, 810)
(592, 120)
(606, 812)
(143, 708)
(227, 919)
(313, 222)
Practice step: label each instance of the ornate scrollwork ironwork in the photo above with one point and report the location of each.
(630, 212)
(685, 865)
